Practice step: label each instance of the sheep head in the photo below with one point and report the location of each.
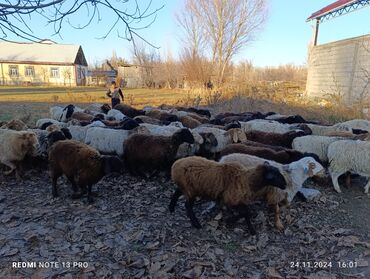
(273, 177)
(237, 135)
(28, 142)
(183, 135)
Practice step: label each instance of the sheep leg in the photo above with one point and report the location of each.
(348, 179)
(12, 167)
(89, 196)
(278, 223)
(334, 179)
(189, 210)
(245, 212)
(174, 199)
(54, 187)
(367, 186)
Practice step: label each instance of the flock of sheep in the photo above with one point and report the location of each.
(231, 158)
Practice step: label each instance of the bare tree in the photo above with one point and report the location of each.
(225, 26)
(15, 16)
(147, 60)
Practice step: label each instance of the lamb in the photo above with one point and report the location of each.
(129, 111)
(315, 144)
(284, 140)
(110, 141)
(15, 124)
(295, 173)
(229, 183)
(349, 156)
(81, 164)
(14, 146)
(223, 137)
(151, 153)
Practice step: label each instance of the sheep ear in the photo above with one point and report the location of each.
(235, 136)
(311, 167)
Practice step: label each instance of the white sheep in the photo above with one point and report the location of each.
(79, 132)
(320, 130)
(110, 141)
(116, 114)
(354, 124)
(185, 149)
(349, 155)
(223, 137)
(267, 126)
(63, 114)
(314, 144)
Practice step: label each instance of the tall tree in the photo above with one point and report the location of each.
(225, 26)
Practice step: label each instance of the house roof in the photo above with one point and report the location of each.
(330, 8)
(45, 52)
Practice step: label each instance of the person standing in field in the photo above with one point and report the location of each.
(115, 93)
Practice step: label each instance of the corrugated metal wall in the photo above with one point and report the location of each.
(340, 68)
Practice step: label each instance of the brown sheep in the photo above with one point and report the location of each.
(266, 153)
(189, 122)
(82, 116)
(284, 140)
(148, 119)
(201, 119)
(81, 164)
(15, 124)
(229, 183)
(128, 110)
(14, 146)
(151, 153)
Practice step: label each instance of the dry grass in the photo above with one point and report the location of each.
(284, 98)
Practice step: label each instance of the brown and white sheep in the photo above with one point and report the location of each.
(81, 164)
(229, 183)
(151, 153)
(14, 146)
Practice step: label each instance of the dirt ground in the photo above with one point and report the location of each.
(129, 233)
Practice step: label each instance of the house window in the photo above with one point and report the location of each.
(79, 73)
(13, 71)
(29, 71)
(54, 72)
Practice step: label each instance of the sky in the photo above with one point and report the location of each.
(283, 40)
